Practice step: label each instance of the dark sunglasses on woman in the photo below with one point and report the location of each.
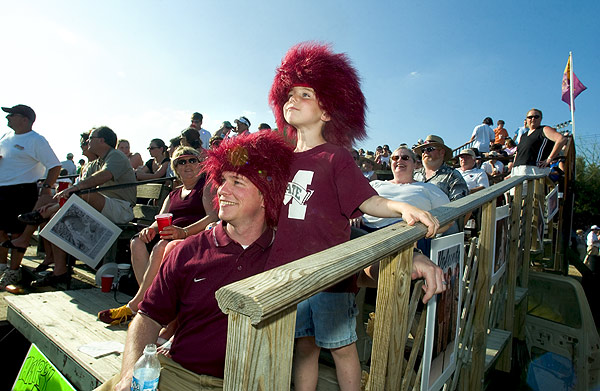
(183, 162)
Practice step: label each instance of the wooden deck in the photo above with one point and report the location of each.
(61, 322)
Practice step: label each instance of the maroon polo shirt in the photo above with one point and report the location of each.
(185, 289)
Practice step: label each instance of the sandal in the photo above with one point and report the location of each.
(42, 267)
(52, 279)
(8, 244)
(32, 218)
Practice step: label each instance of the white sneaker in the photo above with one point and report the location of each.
(10, 277)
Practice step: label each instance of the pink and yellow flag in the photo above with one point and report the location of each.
(578, 86)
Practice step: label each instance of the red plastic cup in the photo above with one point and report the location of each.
(107, 281)
(62, 186)
(163, 220)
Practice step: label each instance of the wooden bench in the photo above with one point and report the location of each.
(60, 322)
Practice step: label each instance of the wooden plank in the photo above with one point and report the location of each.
(265, 294)
(388, 288)
(482, 289)
(497, 340)
(415, 352)
(513, 253)
(149, 190)
(520, 294)
(50, 319)
(259, 357)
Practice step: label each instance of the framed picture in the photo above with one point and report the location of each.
(443, 314)
(500, 243)
(541, 225)
(551, 204)
(81, 231)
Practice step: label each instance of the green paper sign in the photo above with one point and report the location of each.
(38, 374)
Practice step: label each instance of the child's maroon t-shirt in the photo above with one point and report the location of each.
(325, 189)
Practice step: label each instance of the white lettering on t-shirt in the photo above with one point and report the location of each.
(298, 193)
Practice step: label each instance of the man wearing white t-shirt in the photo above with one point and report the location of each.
(196, 123)
(24, 157)
(482, 135)
(593, 243)
(476, 178)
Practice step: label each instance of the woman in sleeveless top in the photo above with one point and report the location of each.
(157, 166)
(538, 147)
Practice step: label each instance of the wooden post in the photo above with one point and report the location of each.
(504, 361)
(260, 357)
(482, 308)
(528, 234)
(391, 323)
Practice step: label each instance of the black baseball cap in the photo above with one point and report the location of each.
(21, 109)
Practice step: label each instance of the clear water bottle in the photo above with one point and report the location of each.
(146, 371)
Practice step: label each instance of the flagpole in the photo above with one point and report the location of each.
(571, 88)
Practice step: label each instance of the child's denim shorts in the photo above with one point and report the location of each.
(329, 317)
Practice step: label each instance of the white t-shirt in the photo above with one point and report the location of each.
(25, 158)
(475, 177)
(487, 166)
(422, 195)
(204, 137)
(592, 239)
(483, 135)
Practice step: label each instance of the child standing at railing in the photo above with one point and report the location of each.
(316, 97)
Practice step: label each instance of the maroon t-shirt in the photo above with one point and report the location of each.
(326, 188)
(185, 289)
(190, 209)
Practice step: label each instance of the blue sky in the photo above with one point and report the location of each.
(142, 67)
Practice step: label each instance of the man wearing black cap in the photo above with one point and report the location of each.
(197, 124)
(24, 157)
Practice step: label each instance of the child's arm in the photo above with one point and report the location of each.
(382, 207)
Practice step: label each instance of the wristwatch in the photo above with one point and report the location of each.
(46, 186)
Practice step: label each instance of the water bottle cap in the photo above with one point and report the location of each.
(150, 349)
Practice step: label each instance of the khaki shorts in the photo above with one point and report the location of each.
(174, 377)
(117, 211)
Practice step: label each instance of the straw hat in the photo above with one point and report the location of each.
(434, 141)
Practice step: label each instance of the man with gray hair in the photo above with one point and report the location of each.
(69, 165)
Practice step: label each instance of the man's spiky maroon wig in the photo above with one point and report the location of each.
(263, 157)
(336, 85)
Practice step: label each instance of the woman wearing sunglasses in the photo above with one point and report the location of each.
(538, 147)
(157, 166)
(404, 188)
(192, 209)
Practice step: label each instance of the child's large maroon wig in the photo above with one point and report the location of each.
(263, 157)
(336, 85)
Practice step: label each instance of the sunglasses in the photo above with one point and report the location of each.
(429, 149)
(151, 148)
(403, 157)
(537, 116)
(183, 162)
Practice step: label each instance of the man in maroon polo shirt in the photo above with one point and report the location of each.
(250, 193)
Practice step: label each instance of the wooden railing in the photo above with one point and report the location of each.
(456, 151)
(262, 308)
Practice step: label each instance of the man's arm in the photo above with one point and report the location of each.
(142, 331)
(50, 180)
(457, 187)
(422, 267)
(97, 179)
